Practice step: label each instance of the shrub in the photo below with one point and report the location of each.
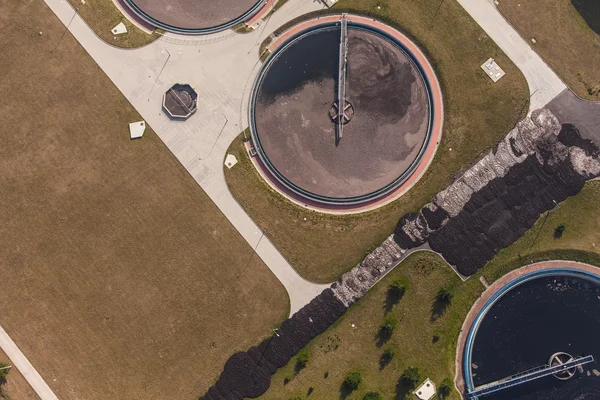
(302, 358)
(389, 324)
(445, 294)
(411, 376)
(399, 285)
(445, 388)
(372, 396)
(3, 371)
(558, 232)
(352, 380)
(388, 353)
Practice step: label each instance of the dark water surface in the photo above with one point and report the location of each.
(529, 324)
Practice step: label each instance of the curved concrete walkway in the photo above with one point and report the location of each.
(221, 67)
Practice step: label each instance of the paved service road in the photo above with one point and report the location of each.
(544, 84)
(585, 115)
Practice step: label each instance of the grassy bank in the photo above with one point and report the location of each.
(426, 334)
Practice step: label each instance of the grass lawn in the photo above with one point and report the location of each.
(478, 114)
(15, 387)
(343, 348)
(563, 38)
(102, 16)
(121, 278)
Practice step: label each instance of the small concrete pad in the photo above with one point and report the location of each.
(230, 161)
(492, 69)
(136, 129)
(426, 390)
(119, 29)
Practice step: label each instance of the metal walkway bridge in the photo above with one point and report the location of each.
(527, 376)
(343, 64)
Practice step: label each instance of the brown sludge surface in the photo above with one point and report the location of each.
(381, 141)
(194, 14)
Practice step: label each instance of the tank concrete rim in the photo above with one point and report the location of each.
(337, 201)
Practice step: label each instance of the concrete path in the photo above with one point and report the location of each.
(221, 67)
(20, 362)
(544, 84)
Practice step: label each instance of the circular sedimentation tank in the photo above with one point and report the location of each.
(392, 114)
(545, 317)
(194, 16)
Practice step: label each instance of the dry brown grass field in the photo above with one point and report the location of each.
(563, 38)
(15, 387)
(121, 279)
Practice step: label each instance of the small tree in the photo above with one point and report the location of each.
(372, 396)
(302, 359)
(399, 285)
(445, 388)
(3, 371)
(352, 380)
(389, 324)
(445, 294)
(411, 376)
(388, 353)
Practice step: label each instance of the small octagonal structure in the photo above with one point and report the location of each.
(180, 102)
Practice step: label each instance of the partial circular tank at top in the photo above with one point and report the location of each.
(194, 16)
(386, 130)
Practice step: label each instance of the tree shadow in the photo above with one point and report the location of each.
(345, 391)
(438, 309)
(403, 389)
(391, 299)
(382, 337)
(590, 12)
(298, 367)
(558, 232)
(384, 361)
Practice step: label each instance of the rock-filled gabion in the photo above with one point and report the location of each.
(539, 164)
(536, 166)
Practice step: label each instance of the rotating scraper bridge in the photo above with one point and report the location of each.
(343, 109)
(561, 365)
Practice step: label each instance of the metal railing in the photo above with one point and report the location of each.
(527, 376)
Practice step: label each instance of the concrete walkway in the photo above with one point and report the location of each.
(544, 84)
(20, 362)
(221, 67)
